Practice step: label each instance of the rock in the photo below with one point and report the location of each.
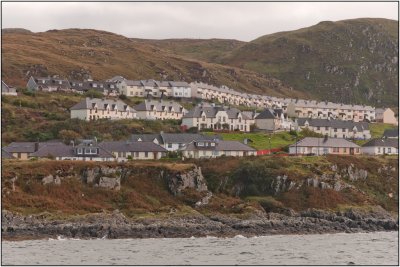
(110, 183)
(191, 179)
(48, 179)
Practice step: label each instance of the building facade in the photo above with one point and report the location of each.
(323, 146)
(152, 109)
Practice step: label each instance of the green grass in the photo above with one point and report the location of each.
(377, 129)
(260, 140)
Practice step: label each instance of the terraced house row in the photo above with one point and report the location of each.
(298, 108)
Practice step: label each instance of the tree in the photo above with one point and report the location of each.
(68, 135)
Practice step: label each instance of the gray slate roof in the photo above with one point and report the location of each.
(21, 147)
(146, 137)
(160, 105)
(88, 103)
(211, 112)
(361, 126)
(6, 155)
(382, 142)
(54, 149)
(324, 142)
(128, 146)
(391, 133)
(266, 114)
(177, 138)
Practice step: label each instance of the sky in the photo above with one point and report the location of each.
(241, 21)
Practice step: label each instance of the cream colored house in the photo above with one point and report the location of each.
(122, 150)
(152, 109)
(95, 108)
(385, 115)
(218, 118)
(335, 128)
(381, 146)
(323, 146)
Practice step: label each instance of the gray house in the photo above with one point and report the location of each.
(48, 84)
(136, 150)
(7, 90)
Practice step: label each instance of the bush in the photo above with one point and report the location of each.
(123, 97)
(192, 130)
(94, 94)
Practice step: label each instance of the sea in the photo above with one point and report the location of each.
(378, 248)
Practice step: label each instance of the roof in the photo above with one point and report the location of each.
(324, 142)
(391, 133)
(129, 146)
(182, 138)
(55, 150)
(6, 155)
(179, 84)
(382, 142)
(220, 146)
(21, 147)
(146, 137)
(159, 105)
(47, 81)
(89, 103)
(211, 112)
(266, 114)
(361, 126)
(96, 85)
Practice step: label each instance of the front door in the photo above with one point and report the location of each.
(155, 155)
(351, 151)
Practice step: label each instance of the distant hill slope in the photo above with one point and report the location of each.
(79, 54)
(210, 50)
(351, 61)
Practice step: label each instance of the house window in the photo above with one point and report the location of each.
(326, 128)
(200, 144)
(318, 128)
(146, 154)
(379, 150)
(345, 150)
(344, 129)
(335, 130)
(136, 154)
(169, 145)
(389, 150)
(212, 144)
(80, 151)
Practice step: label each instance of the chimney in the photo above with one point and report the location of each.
(36, 146)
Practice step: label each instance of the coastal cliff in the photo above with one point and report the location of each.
(219, 197)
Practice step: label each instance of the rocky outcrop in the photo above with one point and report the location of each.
(116, 225)
(190, 179)
(49, 179)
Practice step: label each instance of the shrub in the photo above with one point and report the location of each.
(93, 94)
(192, 130)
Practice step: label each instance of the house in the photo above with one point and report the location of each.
(335, 128)
(269, 120)
(322, 146)
(106, 88)
(391, 133)
(95, 108)
(216, 148)
(22, 150)
(181, 89)
(385, 115)
(159, 109)
(87, 150)
(6, 155)
(122, 150)
(172, 141)
(217, 118)
(381, 146)
(48, 84)
(7, 90)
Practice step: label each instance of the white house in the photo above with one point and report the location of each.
(95, 108)
(152, 109)
(381, 146)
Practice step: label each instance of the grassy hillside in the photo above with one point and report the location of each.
(80, 54)
(239, 186)
(44, 116)
(350, 61)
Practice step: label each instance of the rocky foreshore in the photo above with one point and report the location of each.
(116, 225)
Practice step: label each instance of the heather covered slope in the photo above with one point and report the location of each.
(239, 186)
(81, 54)
(351, 61)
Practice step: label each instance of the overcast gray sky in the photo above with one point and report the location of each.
(242, 21)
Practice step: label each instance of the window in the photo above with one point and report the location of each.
(200, 143)
(169, 145)
(136, 154)
(344, 129)
(344, 150)
(326, 128)
(318, 128)
(212, 144)
(379, 150)
(80, 151)
(335, 130)
(389, 150)
(146, 154)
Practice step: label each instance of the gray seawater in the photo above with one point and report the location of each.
(379, 248)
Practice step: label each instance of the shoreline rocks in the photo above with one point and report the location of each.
(116, 225)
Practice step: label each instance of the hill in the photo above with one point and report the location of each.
(350, 61)
(80, 54)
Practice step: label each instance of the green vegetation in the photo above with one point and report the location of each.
(262, 141)
(377, 129)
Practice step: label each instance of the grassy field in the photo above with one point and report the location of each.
(377, 129)
(262, 141)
